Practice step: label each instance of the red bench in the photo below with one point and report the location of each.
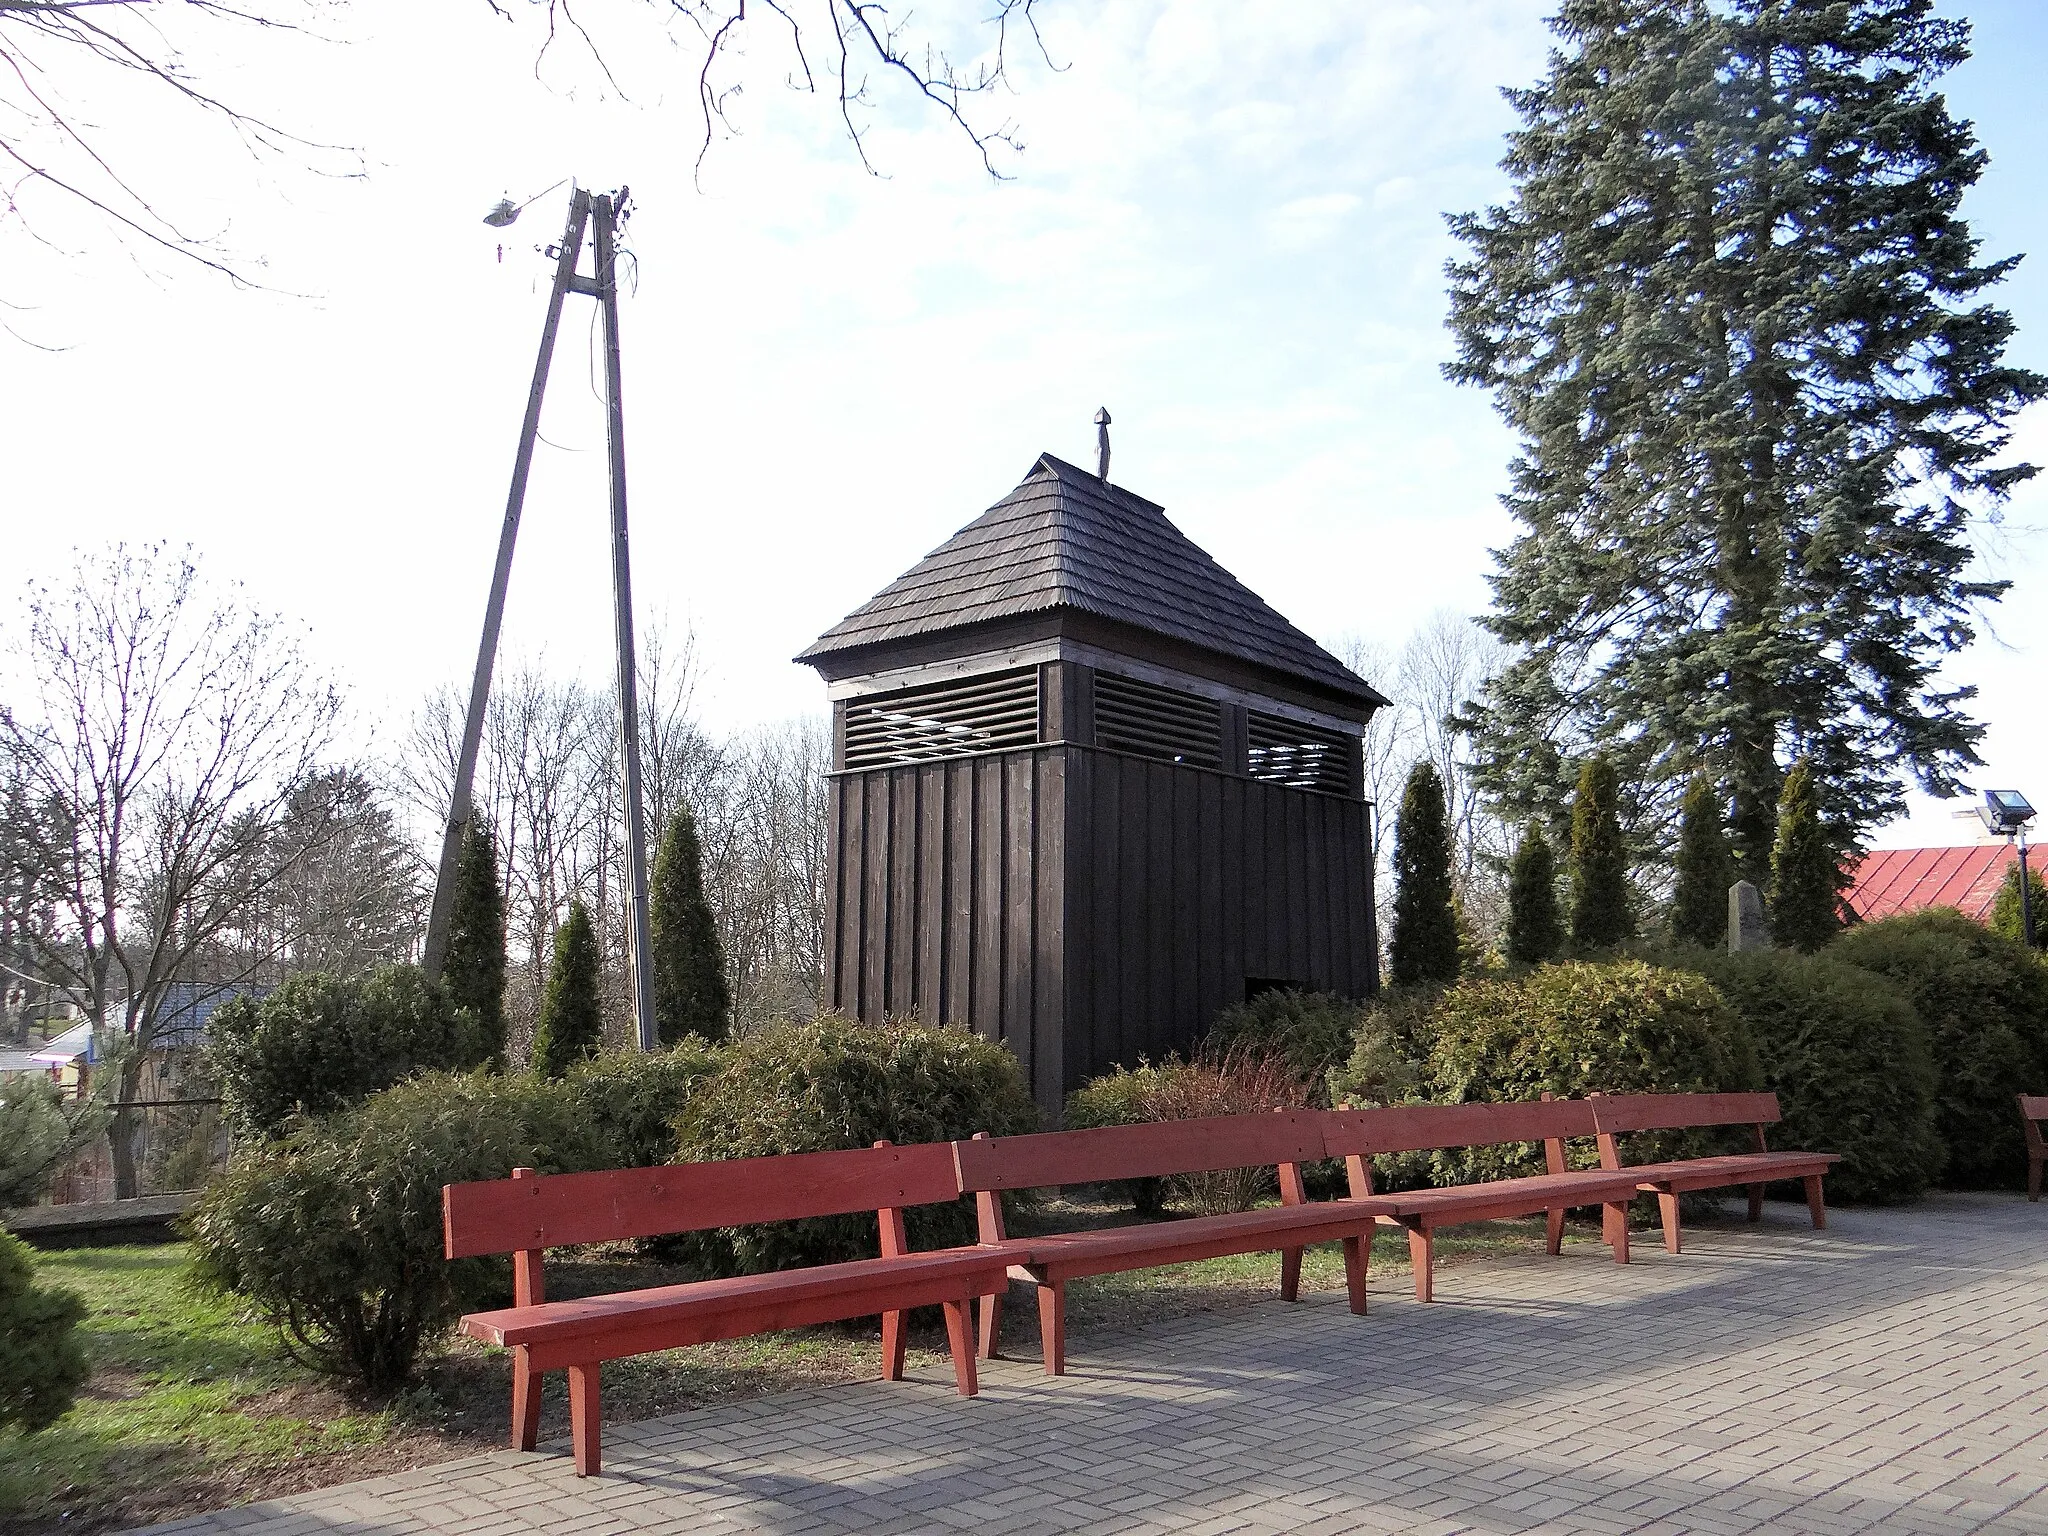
(2034, 1110)
(528, 1213)
(1357, 1135)
(1625, 1114)
(1282, 1141)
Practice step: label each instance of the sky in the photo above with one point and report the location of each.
(1226, 226)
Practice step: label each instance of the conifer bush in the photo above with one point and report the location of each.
(321, 1042)
(1622, 1026)
(42, 1361)
(1424, 943)
(691, 996)
(1850, 1060)
(1705, 869)
(1804, 901)
(1313, 1031)
(1535, 931)
(1600, 915)
(473, 970)
(2006, 917)
(333, 1233)
(571, 1024)
(830, 1084)
(631, 1099)
(1984, 1000)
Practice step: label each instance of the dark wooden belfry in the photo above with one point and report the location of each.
(1088, 789)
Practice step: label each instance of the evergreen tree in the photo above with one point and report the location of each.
(1706, 869)
(1600, 903)
(690, 992)
(1734, 313)
(474, 968)
(571, 1020)
(1806, 875)
(1425, 940)
(1535, 930)
(2005, 910)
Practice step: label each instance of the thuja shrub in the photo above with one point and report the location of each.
(632, 1099)
(830, 1084)
(1619, 1026)
(42, 1362)
(333, 1232)
(1984, 1000)
(321, 1042)
(1850, 1060)
(1313, 1031)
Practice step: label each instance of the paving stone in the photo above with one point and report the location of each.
(1883, 1375)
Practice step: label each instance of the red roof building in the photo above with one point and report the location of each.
(1893, 880)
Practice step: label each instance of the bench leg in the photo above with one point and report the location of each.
(1422, 1258)
(894, 1339)
(585, 1415)
(1290, 1274)
(1553, 1230)
(960, 1340)
(1357, 1255)
(1814, 1204)
(991, 1327)
(1614, 1227)
(525, 1402)
(2034, 1165)
(1052, 1325)
(1667, 1209)
(1756, 1202)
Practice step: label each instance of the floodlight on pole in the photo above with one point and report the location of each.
(505, 212)
(2006, 812)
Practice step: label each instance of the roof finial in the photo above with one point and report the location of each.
(1102, 443)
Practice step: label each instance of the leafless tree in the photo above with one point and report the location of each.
(160, 732)
(63, 61)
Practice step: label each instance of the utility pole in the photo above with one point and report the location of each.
(602, 214)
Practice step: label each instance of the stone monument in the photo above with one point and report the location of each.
(1746, 927)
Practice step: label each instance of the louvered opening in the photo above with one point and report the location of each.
(976, 714)
(1147, 720)
(1301, 756)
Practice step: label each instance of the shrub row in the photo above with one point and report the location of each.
(331, 1229)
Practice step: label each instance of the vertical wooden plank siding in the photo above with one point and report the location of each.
(1085, 907)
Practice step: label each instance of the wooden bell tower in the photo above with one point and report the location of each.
(1088, 790)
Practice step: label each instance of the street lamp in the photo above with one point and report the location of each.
(2006, 813)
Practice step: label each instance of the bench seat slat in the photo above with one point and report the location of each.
(1114, 1249)
(1515, 1197)
(1737, 1168)
(857, 1281)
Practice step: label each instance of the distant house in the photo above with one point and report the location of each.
(1894, 880)
(181, 1030)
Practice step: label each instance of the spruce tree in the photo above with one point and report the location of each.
(1706, 869)
(1599, 865)
(1734, 313)
(2005, 909)
(1535, 930)
(690, 992)
(474, 968)
(1806, 875)
(1425, 939)
(571, 1019)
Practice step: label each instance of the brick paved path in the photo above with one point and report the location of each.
(1890, 1374)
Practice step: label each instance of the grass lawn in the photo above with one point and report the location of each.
(192, 1407)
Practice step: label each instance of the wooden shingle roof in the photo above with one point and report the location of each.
(1066, 539)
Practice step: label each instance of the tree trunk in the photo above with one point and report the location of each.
(121, 1131)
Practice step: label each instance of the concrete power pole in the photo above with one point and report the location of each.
(601, 215)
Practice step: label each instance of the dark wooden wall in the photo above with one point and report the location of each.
(1085, 907)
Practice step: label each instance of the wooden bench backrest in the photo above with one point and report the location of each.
(1626, 1112)
(1428, 1127)
(553, 1210)
(1138, 1151)
(2033, 1111)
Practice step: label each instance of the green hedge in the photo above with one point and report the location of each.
(1850, 1060)
(333, 1231)
(1313, 1030)
(1621, 1026)
(42, 1362)
(321, 1042)
(632, 1099)
(831, 1084)
(1984, 1000)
